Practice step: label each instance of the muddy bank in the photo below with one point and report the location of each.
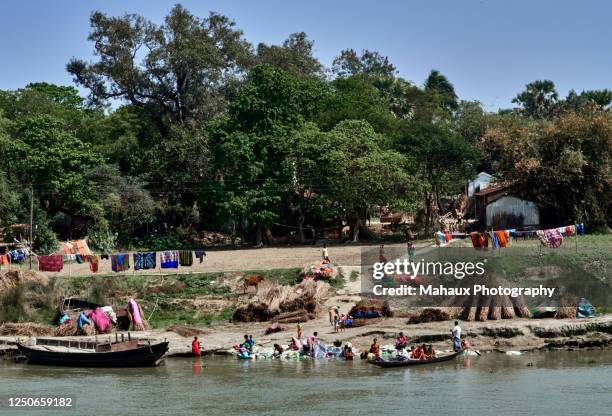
(517, 334)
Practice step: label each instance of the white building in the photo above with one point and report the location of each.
(480, 182)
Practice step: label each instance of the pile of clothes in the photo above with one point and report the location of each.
(318, 271)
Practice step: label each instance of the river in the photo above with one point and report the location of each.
(552, 383)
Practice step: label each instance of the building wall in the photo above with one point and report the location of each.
(480, 182)
(511, 205)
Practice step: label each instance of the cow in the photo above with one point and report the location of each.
(252, 280)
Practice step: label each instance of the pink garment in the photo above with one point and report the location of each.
(135, 311)
(100, 319)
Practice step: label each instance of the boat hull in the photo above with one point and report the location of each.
(143, 356)
(409, 363)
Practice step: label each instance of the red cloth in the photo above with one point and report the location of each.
(475, 239)
(447, 236)
(195, 347)
(53, 263)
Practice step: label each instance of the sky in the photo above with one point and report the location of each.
(488, 49)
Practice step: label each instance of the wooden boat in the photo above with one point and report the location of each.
(410, 362)
(117, 354)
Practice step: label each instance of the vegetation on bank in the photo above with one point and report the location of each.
(260, 141)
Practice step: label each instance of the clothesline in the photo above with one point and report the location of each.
(552, 237)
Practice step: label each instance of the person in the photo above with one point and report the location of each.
(247, 343)
(336, 321)
(411, 252)
(375, 348)
(431, 353)
(278, 350)
(401, 341)
(299, 330)
(418, 353)
(381, 254)
(456, 333)
(195, 347)
(251, 342)
(82, 321)
(347, 352)
(311, 341)
(409, 235)
(402, 354)
(295, 344)
(325, 254)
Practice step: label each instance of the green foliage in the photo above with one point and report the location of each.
(538, 98)
(370, 63)
(294, 56)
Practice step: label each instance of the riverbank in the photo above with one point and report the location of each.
(506, 335)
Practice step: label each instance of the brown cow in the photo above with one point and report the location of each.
(252, 280)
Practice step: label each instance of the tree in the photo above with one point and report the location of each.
(370, 63)
(355, 98)
(561, 164)
(441, 90)
(188, 67)
(295, 56)
(252, 146)
(361, 171)
(538, 99)
(442, 161)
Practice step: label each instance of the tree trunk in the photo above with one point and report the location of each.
(356, 225)
(301, 219)
(259, 230)
(427, 213)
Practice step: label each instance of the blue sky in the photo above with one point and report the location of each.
(488, 49)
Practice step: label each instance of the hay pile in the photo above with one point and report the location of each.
(430, 315)
(12, 278)
(26, 329)
(273, 299)
(371, 308)
(482, 308)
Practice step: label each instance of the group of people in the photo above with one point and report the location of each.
(339, 321)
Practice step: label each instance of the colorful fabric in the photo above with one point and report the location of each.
(580, 229)
(94, 263)
(17, 256)
(475, 237)
(53, 263)
(200, 254)
(4, 259)
(169, 259)
(495, 239)
(550, 238)
(120, 262)
(146, 260)
(502, 238)
(100, 320)
(82, 320)
(185, 258)
(135, 311)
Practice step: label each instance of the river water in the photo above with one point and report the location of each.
(552, 383)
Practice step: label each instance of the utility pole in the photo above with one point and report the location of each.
(31, 222)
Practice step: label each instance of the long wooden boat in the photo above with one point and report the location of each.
(126, 354)
(410, 362)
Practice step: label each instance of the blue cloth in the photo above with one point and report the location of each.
(580, 229)
(146, 260)
(495, 240)
(17, 256)
(83, 320)
(169, 259)
(456, 344)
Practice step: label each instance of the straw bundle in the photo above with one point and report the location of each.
(26, 329)
(429, 315)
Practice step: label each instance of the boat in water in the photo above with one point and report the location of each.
(112, 354)
(410, 362)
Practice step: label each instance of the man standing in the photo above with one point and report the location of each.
(456, 332)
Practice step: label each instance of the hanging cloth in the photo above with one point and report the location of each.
(475, 239)
(550, 238)
(120, 262)
(52, 263)
(200, 254)
(169, 259)
(94, 263)
(145, 260)
(186, 258)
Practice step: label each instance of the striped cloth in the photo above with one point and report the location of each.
(186, 258)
